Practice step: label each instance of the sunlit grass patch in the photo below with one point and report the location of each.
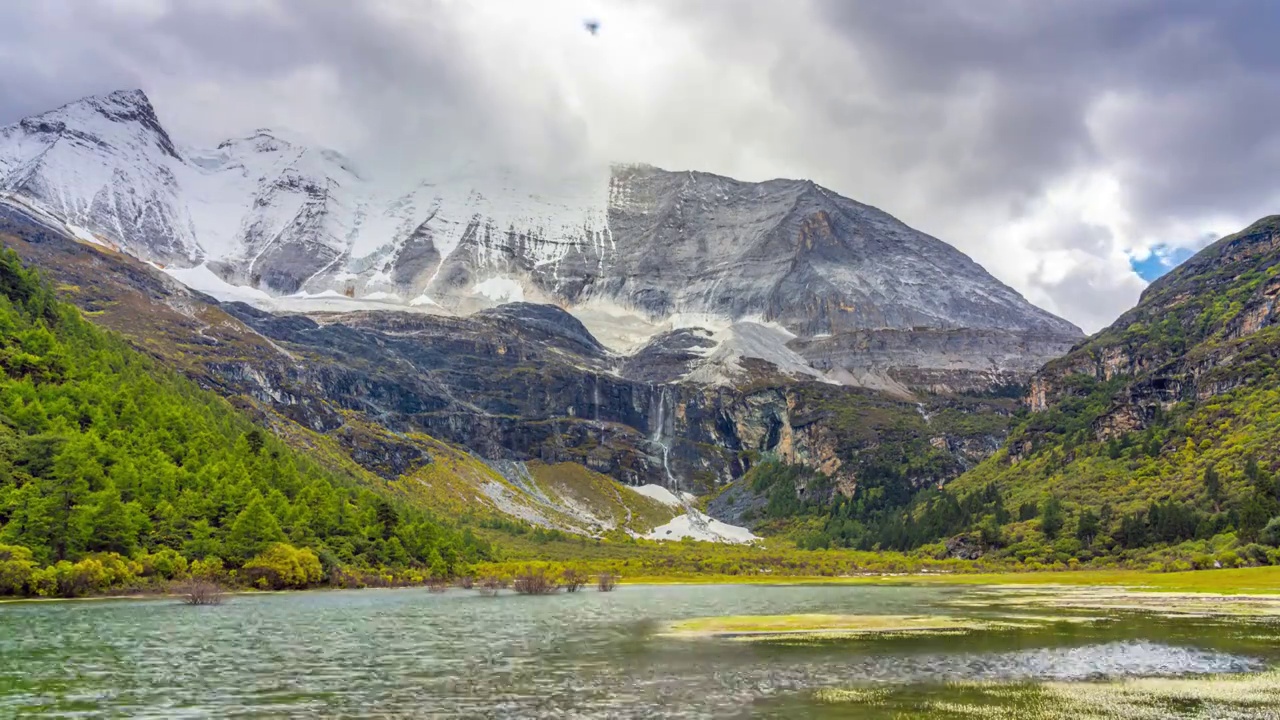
(1225, 697)
(861, 696)
(810, 627)
(1166, 604)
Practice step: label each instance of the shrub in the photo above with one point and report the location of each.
(1228, 559)
(166, 564)
(534, 581)
(284, 566)
(437, 584)
(200, 592)
(1254, 554)
(210, 568)
(1270, 534)
(489, 585)
(67, 580)
(116, 572)
(606, 582)
(44, 582)
(1202, 561)
(346, 578)
(573, 579)
(16, 568)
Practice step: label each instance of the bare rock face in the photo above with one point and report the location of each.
(1201, 331)
(740, 280)
(934, 360)
(784, 251)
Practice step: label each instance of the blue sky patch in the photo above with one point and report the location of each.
(1161, 260)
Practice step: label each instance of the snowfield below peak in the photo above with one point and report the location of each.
(698, 526)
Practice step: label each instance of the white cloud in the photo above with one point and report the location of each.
(1049, 140)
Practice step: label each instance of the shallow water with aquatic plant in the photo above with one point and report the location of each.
(392, 653)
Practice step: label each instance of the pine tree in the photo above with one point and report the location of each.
(253, 530)
(388, 518)
(1213, 487)
(1051, 517)
(109, 525)
(1087, 526)
(68, 488)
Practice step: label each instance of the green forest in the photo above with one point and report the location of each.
(116, 473)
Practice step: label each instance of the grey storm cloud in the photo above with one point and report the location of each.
(1049, 139)
(1180, 95)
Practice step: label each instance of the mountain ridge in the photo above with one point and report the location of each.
(634, 251)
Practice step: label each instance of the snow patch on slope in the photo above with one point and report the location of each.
(696, 525)
(723, 363)
(500, 289)
(201, 279)
(659, 493)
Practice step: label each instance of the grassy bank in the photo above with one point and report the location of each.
(1246, 581)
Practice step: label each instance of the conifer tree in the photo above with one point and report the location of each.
(253, 530)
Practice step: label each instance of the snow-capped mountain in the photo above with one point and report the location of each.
(104, 163)
(634, 251)
(265, 211)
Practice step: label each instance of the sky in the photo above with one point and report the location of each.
(1074, 148)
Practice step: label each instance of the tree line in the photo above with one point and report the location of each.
(106, 457)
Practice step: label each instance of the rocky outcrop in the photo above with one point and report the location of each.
(521, 382)
(1201, 331)
(934, 360)
(868, 300)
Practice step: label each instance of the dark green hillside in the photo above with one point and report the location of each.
(112, 468)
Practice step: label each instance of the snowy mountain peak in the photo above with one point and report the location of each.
(106, 118)
(106, 165)
(273, 215)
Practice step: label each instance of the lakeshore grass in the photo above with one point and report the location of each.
(1236, 581)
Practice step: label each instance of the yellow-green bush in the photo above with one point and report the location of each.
(209, 568)
(16, 568)
(89, 576)
(284, 566)
(165, 563)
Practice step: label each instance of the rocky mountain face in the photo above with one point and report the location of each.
(521, 382)
(1184, 383)
(103, 163)
(1203, 330)
(690, 277)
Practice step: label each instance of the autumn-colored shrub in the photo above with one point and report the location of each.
(284, 566)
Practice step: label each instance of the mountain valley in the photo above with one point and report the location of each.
(808, 365)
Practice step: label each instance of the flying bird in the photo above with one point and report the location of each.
(592, 26)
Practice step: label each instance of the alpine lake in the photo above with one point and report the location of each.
(650, 651)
